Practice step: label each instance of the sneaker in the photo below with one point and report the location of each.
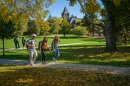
(56, 61)
(44, 62)
(32, 64)
(53, 59)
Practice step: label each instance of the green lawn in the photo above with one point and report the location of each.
(38, 76)
(64, 40)
(91, 52)
(80, 54)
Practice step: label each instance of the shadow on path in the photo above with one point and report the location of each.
(97, 68)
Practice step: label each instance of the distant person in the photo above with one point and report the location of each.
(23, 41)
(43, 47)
(55, 48)
(31, 44)
(16, 42)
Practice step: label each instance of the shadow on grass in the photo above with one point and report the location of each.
(81, 54)
(23, 55)
(95, 55)
(31, 76)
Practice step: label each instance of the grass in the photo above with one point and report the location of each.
(37, 76)
(64, 40)
(80, 54)
(91, 52)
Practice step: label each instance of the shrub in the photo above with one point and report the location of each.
(79, 31)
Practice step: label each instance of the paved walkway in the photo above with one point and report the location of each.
(49, 45)
(1, 50)
(86, 67)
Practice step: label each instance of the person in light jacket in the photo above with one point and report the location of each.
(31, 44)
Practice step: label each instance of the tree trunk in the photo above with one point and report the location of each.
(125, 37)
(64, 34)
(3, 46)
(110, 37)
(110, 26)
(93, 26)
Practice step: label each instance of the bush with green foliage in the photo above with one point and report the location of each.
(79, 31)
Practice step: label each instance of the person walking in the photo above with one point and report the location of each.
(31, 44)
(43, 47)
(23, 41)
(16, 42)
(55, 48)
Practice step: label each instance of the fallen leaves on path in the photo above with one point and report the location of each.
(39, 76)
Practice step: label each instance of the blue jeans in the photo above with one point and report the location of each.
(56, 52)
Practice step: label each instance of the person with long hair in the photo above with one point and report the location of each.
(55, 48)
(43, 47)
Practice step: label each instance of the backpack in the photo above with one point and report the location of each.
(39, 44)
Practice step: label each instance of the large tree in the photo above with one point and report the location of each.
(92, 28)
(54, 24)
(33, 27)
(14, 12)
(65, 27)
(123, 21)
(117, 15)
(39, 28)
(6, 31)
(44, 29)
(110, 25)
(111, 7)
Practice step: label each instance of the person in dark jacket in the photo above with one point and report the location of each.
(16, 42)
(23, 41)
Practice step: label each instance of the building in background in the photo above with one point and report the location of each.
(71, 19)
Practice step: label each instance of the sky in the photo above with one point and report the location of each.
(57, 8)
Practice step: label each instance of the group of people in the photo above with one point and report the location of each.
(43, 45)
(16, 42)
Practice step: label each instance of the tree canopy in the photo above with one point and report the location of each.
(65, 26)
(115, 13)
(15, 13)
(54, 24)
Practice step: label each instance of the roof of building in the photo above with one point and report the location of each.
(65, 11)
(74, 20)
